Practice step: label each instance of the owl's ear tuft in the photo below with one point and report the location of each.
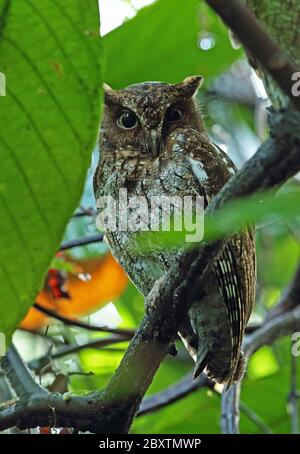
(189, 86)
(111, 96)
(106, 87)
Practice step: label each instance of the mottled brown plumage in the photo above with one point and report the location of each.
(166, 152)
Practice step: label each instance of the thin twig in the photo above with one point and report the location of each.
(90, 212)
(174, 393)
(230, 414)
(255, 418)
(80, 324)
(271, 330)
(294, 396)
(81, 241)
(40, 363)
(290, 297)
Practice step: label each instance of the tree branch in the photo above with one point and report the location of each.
(294, 396)
(255, 418)
(19, 376)
(251, 34)
(80, 324)
(271, 330)
(230, 414)
(113, 410)
(81, 241)
(40, 363)
(174, 393)
(289, 299)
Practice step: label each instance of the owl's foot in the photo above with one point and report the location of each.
(152, 298)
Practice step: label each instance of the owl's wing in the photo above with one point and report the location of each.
(234, 273)
(228, 280)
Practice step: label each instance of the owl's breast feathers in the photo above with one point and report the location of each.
(213, 332)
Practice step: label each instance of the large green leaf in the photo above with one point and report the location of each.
(161, 43)
(230, 218)
(50, 53)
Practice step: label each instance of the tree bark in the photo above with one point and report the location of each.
(281, 19)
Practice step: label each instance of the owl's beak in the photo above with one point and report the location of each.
(154, 143)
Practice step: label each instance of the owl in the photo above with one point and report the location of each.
(153, 143)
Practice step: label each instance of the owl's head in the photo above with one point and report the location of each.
(140, 117)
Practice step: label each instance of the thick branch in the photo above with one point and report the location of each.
(19, 375)
(251, 34)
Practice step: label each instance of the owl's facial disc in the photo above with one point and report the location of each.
(141, 117)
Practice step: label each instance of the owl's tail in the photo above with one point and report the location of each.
(203, 355)
(200, 353)
(214, 372)
(212, 355)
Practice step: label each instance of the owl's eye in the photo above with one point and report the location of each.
(127, 120)
(174, 114)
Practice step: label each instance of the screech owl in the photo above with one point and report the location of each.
(153, 142)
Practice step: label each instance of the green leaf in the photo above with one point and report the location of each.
(50, 53)
(162, 43)
(229, 219)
